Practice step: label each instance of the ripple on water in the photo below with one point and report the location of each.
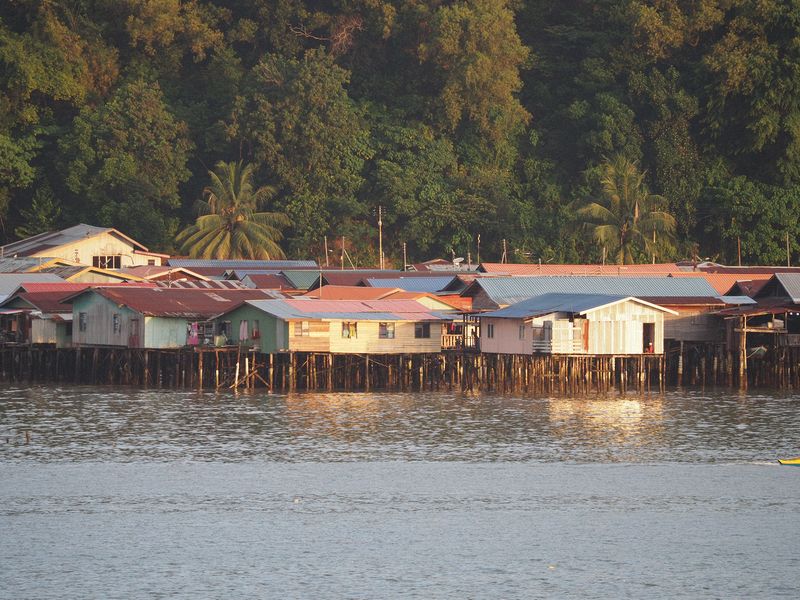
(85, 423)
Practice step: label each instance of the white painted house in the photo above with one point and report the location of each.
(590, 324)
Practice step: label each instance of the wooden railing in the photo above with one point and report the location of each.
(457, 341)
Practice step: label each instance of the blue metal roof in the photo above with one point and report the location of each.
(413, 284)
(550, 303)
(509, 290)
(737, 300)
(241, 264)
(790, 283)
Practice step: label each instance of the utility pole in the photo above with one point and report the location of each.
(739, 249)
(479, 249)
(654, 245)
(788, 254)
(380, 235)
(342, 253)
(326, 252)
(405, 257)
(505, 252)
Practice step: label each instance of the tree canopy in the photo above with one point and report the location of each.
(464, 118)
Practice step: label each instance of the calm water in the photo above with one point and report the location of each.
(131, 494)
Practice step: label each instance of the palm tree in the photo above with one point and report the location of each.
(627, 215)
(228, 225)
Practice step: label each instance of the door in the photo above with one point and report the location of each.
(134, 336)
(648, 338)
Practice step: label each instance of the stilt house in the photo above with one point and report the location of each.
(589, 324)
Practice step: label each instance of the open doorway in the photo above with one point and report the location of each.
(648, 338)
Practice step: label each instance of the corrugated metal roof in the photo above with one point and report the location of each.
(349, 292)
(242, 273)
(197, 284)
(301, 280)
(304, 304)
(413, 284)
(509, 290)
(22, 264)
(737, 300)
(723, 282)
(171, 302)
(155, 271)
(53, 239)
(791, 283)
(353, 310)
(549, 269)
(47, 302)
(550, 303)
(241, 264)
(267, 282)
(9, 282)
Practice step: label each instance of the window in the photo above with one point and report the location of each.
(82, 321)
(522, 332)
(115, 323)
(107, 262)
(349, 330)
(422, 330)
(301, 329)
(256, 330)
(490, 330)
(386, 331)
(151, 262)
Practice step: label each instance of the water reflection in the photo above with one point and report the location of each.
(78, 423)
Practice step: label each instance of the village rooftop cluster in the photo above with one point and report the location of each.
(91, 286)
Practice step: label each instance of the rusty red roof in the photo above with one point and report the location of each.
(349, 292)
(67, 287)
(267, 281)
(172, 302)
(47, 302)
(609, 269)
(355, 306)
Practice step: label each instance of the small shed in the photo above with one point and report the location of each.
(591, 324)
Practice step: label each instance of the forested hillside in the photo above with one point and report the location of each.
(490, 118)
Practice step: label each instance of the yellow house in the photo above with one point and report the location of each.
(335, 326)
(102, 247)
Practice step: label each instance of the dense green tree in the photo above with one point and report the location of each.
(42, 215)
(125, 161)
(230, 223)
(738, 212)
(626, 215)
(461, 118)
(298, 121)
